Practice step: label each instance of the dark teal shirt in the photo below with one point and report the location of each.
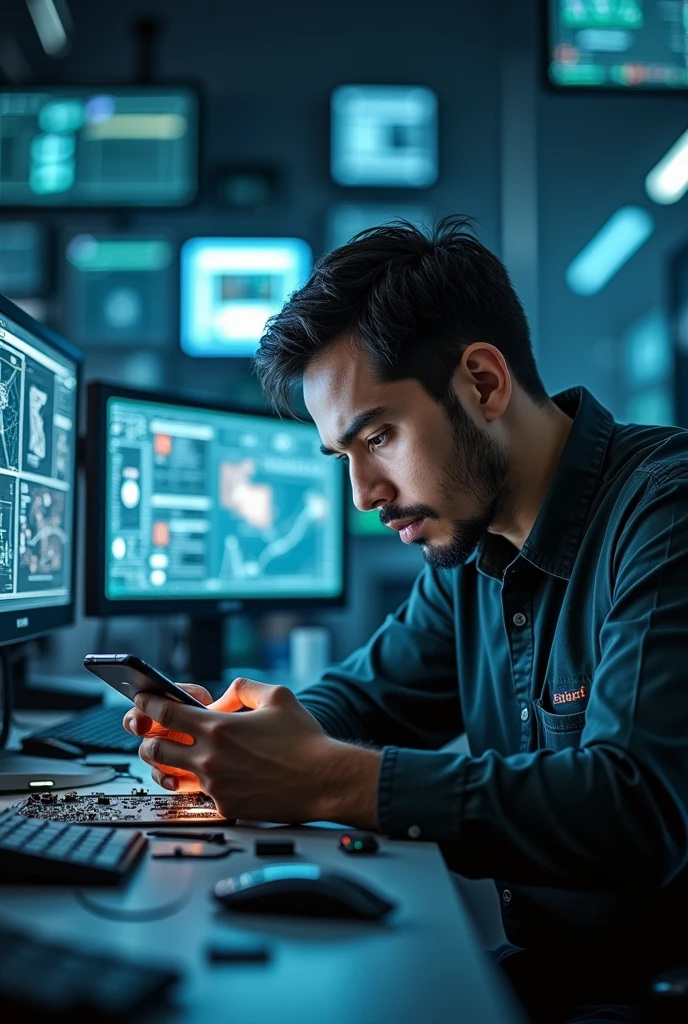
(566, 664)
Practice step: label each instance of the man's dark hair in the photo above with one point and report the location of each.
(412, 300)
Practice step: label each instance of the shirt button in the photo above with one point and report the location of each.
(525, 715)
(414, 831)
(506, 896)
(519, 619)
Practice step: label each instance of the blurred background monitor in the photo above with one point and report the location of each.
(23, 266)
(119, 290)
(384, 135)
(346, 219)
(100, 145)
(617, 44)
(193, 508)
(39, 388)
(231, 286)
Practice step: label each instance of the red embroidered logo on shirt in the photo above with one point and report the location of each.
(568, 696)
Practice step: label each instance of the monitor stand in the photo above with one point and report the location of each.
(206, 652)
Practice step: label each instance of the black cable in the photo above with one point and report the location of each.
(133, 915)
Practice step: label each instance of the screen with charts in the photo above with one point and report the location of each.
(38, 401)
(98, 146)
(231, 286)
(119, 289)
(206, 504)
(384, 135)
(618, 44)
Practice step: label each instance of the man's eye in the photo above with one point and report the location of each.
(378, 440)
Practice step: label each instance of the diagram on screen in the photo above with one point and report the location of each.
(7, 493)
(11, 370)
(249, 552)
(42, 538)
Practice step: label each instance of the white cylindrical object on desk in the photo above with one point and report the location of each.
(309, 654)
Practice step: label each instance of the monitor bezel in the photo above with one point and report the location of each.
(96, 601)
(43, 620)
(578, 90)
(192, 86)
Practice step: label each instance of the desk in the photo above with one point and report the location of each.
(423, 964)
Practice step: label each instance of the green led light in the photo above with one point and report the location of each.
(358, 845)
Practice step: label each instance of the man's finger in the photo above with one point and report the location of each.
(137, 723)
(248, 693)
(184, 782)
(169, 713)
(159, 752)
(199, 692)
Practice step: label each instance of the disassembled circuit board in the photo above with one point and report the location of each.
(136, 808)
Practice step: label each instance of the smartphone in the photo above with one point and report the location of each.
(130, 675)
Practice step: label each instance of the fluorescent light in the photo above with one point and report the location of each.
(49, 26)
(612, 246)
(668, 180)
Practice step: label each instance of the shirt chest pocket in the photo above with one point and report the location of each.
(557, 732)
(560, 713)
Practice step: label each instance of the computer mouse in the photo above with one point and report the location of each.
(301, 889)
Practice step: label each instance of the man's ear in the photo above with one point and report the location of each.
(483, 382)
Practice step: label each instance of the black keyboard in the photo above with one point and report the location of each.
(32, 848)
(96, 731)
(46, 980)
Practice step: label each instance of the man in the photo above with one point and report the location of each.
(550, 624)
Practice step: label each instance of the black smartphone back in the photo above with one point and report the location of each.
(130, 675)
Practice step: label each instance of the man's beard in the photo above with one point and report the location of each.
(476, 466)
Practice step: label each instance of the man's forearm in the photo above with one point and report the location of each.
(350, 776)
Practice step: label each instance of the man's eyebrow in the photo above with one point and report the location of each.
(358, 423)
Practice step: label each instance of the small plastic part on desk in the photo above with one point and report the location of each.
(274, 847)
(358, 842)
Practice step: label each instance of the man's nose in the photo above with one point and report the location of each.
(370, 490)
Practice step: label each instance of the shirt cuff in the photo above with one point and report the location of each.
(420, 794)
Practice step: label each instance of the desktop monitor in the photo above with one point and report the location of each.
(39, 389)
(196, 508)
(231, 286)
(617, 44)
(384, 136)
(119, 288)
(98, 145)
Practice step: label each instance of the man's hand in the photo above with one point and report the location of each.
(273, 764)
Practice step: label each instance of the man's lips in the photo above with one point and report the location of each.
(408, 529)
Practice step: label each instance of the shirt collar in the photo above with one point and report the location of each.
(555, 538)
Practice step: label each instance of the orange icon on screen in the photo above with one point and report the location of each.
(161, 534)
(162, 444)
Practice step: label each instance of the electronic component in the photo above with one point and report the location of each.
(231, 286)
(118, 290)
(100, 145)
(274, 847)
(618, 44)
(137, 808)
(300, 888)
(384, 135)
(47, 980)
(358, 842)
(60, 852)
(96, 730)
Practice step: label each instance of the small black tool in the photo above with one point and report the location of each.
(274, 847)
(243, 952)
(206, 837)
(358, 842)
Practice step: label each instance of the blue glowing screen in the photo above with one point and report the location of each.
(384, 135)
(231, 286)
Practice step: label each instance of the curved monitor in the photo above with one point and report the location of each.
(196, 508)
(39, 400)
